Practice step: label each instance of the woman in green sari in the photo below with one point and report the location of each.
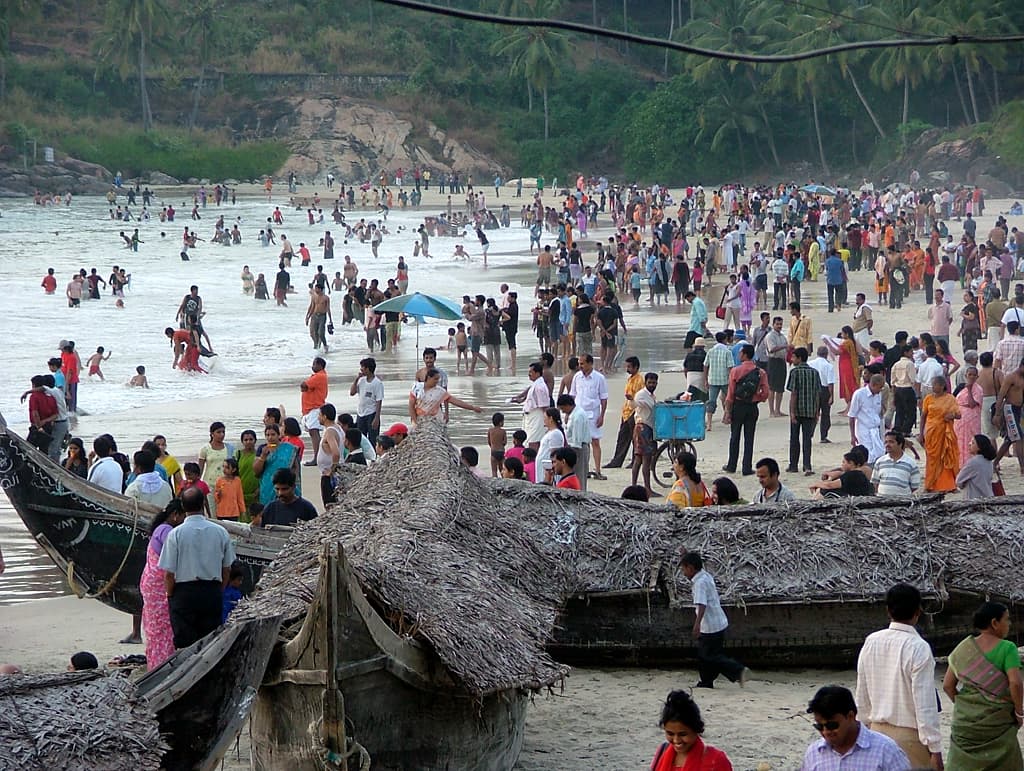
(987, 709)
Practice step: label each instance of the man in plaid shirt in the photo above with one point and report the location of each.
(804, 388)
(716, 373)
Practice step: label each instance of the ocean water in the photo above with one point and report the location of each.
(253, 337)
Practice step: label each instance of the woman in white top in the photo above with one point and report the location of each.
(552, 440)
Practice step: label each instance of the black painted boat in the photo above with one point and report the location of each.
(98, 539)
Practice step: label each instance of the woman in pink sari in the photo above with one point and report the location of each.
(748, 299)
(156, 616)
(969, 401)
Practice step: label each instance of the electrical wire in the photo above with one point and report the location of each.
(848, 17)
(672, 45)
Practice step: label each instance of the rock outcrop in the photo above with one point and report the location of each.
(63, 175)
(957, 161)
(357, 140)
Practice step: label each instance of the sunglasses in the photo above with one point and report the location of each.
(829, 725)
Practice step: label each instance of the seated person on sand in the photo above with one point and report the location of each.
(852, 478)
(82, 661)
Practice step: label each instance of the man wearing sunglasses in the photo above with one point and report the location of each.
(845, 742)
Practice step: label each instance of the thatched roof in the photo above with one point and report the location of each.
(479, 568)
(76, 721)
(430, 549)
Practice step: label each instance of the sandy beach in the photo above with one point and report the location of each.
(603, 718)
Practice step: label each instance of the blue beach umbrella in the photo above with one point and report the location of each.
(421, 306)
(818, 189)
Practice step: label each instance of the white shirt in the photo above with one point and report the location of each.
(589, 391)
(369, 393)
(108, 474)
(706, 593)
(1013, 313)
(552, 440)
(927, 371)
(896, 683)
(577, 428)
(826, 372)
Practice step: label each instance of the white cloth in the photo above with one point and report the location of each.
(591, 394)
(896, 683)
(369, 393)
(150, 488)
(826, 371)
(927, 371)
(552, 440)
(706, 593)
(311, 420)
(866, 408)
(108, 474)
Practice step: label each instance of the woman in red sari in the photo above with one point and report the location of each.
(683, 747)
(849, 364)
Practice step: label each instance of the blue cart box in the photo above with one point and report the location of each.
(679, 420)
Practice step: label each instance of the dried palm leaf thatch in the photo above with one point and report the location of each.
(430, 549)
(479, 567)
(76, 721)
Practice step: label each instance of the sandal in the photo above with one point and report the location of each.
(600, 477)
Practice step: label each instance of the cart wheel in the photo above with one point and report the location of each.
(661, 467)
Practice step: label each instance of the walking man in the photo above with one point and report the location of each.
(748, 386)
(896, 682)
(314, 396)
(370, 390)
(804, 388)
(196, 560)
(865, 415)
(709, 626)
(835, 279)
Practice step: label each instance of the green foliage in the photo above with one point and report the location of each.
(661, 137)
(177, 155)
(1005, 133)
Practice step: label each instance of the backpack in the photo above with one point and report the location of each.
(746, 386)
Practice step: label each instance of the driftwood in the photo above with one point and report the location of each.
(76, 721)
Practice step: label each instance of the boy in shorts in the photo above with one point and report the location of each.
(497, 438)
(461, 348)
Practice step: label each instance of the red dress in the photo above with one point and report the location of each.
(701, 757)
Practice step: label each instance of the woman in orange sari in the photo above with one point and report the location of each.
(939, 410)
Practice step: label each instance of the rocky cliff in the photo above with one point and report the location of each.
(357, 140)
(18, 178)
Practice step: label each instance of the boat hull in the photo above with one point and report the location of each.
(645, 629)
(346, 668)
(98, 539)
(203, 694)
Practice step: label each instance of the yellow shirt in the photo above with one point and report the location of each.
(633, 386)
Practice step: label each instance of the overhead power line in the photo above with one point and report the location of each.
(686, 48)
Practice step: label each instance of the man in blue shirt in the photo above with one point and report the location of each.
(698, 319)
(835, 279)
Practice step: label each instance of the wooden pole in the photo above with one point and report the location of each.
(334, 702)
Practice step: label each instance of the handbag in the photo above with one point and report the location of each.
(39, 438)
(720, 312)
(997, 484)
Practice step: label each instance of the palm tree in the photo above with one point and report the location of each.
(961, 17)
(129, 29)
(722, 116)
(906, 65)
(536, 51)
(205, 27)
(732, 25)
(11, 11)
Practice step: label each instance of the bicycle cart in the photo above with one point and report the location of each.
(677, 425)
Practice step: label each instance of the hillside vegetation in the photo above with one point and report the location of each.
(138, 83)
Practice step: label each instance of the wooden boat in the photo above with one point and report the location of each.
(343, 683)
(203, 694)
(98, 538)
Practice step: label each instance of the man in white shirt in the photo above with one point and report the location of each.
(709, 626)
(370, 390)
(577, 435)
(865, 416)
(535, 402)
(106, 472)
(896, 682)
(590, 390)
(827, 373)
(148, 486)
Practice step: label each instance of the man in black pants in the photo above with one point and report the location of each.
(709, 626)
(624, 439)
(741, 409)
(196, 558)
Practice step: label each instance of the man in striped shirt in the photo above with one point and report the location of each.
(845, 742)
(716, 373)
(895, 472)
